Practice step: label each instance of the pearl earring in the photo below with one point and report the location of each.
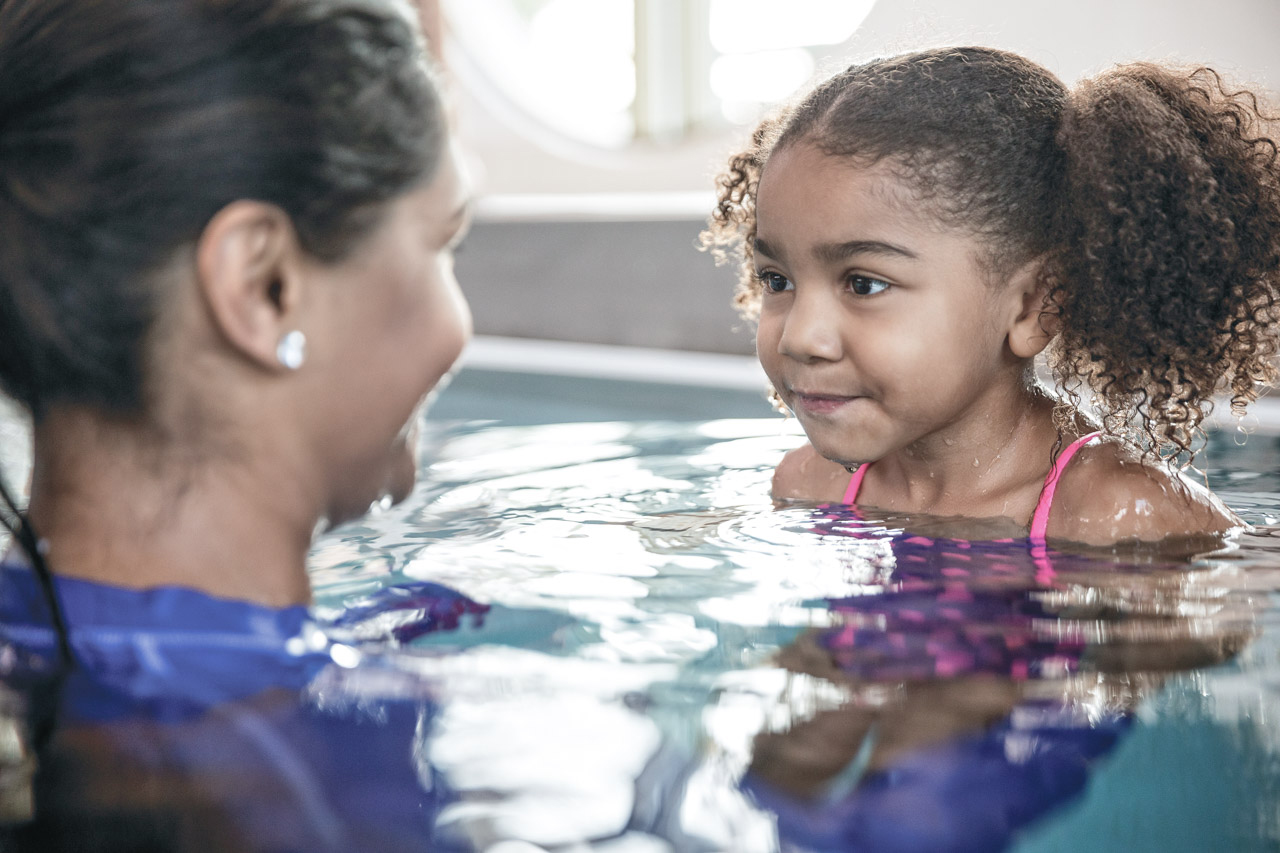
(292, 350)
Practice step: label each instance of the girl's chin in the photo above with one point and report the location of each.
(842, 454)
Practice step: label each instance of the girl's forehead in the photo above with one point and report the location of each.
(813, 207)
(801, 181)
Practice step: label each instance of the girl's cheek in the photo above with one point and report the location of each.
(766, 337)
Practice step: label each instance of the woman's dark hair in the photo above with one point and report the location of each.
(1151, 195)
(125, 125)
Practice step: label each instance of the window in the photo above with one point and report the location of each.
(608, 72)
(766, 50)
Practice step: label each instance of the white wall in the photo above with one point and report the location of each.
(1071, 37)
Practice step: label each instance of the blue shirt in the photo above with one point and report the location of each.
(193, 722)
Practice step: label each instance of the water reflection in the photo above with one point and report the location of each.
(607, 638)
(973, 690)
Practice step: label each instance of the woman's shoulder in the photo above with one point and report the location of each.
(1109, 494)
(805, 475)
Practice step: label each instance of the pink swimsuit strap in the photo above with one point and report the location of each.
(855, 483)
(1040, 519)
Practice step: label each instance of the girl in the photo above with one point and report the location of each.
(918, 229)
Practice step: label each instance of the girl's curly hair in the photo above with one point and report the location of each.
(1152, 195)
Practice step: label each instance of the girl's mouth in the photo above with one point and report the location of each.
(820, 404)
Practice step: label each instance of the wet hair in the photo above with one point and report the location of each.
(1151, 196)
(125, 125)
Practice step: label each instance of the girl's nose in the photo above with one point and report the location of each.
(811, 331)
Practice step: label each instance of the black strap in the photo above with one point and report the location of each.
(44, 703)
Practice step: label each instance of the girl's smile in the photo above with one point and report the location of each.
(820, 404)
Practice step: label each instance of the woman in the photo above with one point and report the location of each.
(226, 288)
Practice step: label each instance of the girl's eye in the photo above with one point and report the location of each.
(863, 285)
(774, 282)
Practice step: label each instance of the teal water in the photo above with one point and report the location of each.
(669, 662)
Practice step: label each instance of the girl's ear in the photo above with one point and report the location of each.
(1034, 323)
(249, 273)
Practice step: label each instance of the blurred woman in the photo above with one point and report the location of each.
(226, 289)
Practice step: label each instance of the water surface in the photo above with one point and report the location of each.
(657, 658)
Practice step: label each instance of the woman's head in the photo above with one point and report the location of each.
(126, 125)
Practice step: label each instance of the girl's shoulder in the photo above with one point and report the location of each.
(1110, 494)
(805, 475)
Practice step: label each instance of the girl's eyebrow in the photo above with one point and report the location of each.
(762, 248)
(834, 252)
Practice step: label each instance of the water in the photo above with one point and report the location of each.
(646, 655)
(670, 660)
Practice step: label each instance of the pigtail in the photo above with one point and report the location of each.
(1165, 289)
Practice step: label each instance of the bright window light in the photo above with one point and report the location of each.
(760, 78)
(585, 47)
(569, 63)
(609, 72)
(743, 26)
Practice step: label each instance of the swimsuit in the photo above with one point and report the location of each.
(939, 609)
(1040, 518)
(952, 607)
(232, 715)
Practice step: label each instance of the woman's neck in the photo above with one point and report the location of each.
(116, 509)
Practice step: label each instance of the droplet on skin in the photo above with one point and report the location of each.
(948, 441)
(975, 462)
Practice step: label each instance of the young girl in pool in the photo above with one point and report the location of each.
(918, 229)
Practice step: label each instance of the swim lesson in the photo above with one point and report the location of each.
(879, 461)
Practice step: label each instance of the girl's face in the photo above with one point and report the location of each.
(878, 327)
(394, 324)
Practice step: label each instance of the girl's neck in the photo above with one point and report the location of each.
(114, 510)
(987, 464)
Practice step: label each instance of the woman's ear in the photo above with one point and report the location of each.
(1035, 323)
(249, 273)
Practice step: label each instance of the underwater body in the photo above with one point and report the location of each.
(606, 637)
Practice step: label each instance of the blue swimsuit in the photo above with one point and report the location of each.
(202, 723)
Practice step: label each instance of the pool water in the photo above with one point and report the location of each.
(667, 661)
(605, 637)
